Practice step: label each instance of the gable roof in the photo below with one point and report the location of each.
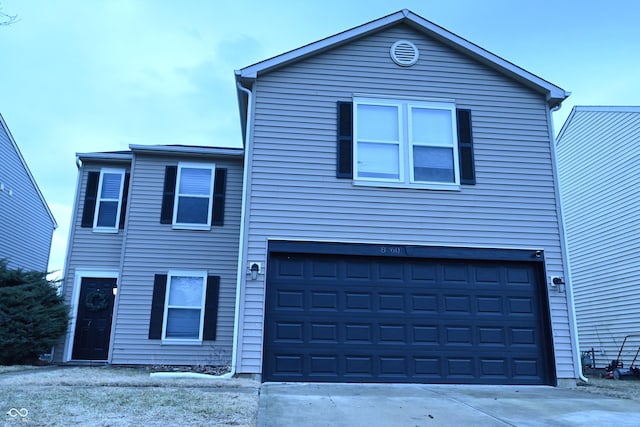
(4, 126)
(611, 121)
(245, 76)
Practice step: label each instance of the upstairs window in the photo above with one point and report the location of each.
(105, 200)
(410, 143)
(392, 143)
(193, 196)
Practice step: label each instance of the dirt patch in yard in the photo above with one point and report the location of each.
(108, 396)
(624, 389)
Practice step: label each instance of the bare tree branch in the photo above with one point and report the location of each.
(6, 19)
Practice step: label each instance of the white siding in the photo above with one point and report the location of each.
(599, 164)
(293, 192)
(26, 227)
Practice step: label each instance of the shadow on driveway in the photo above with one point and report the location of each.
(370, 405)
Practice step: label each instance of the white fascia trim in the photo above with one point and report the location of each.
(164, 149)
(75, 297)
(555, 94)
(4, 126)
(118, 157)
(608, 108)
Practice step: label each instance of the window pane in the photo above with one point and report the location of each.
(107, 214)
(183, 323)
(433, 164)
(195, 181)
(110, 186)
(185, 291)
(192, 210)
(431, 126)
(378, 123)
(378, 160)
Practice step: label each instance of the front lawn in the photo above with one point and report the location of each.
(123, 397)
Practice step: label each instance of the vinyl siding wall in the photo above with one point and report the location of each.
(153, 248)
(294, 193)
(25, 225)
(145, 248)
(599, 158)
(88, 251)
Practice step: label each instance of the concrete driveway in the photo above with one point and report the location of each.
(413, 405)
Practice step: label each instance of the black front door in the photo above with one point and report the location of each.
(93, 322)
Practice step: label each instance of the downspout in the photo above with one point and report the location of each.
(243, 224)
(573, 328)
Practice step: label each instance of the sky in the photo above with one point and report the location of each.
(98, 75)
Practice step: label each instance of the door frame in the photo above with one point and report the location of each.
(75, 297)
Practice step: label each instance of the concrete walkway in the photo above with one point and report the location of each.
(416, 405)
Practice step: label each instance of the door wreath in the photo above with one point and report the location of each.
(96, 301)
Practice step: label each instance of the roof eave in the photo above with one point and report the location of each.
(554, 94)
(112, 157)
(188, 150)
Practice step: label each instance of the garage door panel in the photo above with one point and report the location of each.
(363, 319)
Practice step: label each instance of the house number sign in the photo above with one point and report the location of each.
(391, 250)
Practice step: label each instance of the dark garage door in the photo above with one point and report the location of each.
(348, 318)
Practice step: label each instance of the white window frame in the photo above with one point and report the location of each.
(183, 273)
(99, 198)
(176, 198)
(406, 167)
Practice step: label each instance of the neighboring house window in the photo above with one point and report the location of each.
(184, 306)
(193, 196)
(405, 143)
(105, 200)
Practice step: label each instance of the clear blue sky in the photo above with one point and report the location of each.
(82, 76)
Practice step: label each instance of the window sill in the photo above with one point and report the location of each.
(196, 227)
(417, 186)
(169, 341)
(106, 230)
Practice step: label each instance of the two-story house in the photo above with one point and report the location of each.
(151, 266)
(401, 214)
(26, 222)
(393, 217)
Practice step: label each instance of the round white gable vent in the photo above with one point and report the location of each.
(404, 53)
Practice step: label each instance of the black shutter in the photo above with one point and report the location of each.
(90, 197)
(170, 175)
(211, 308)
(219, 189)
(344, 155)
(465, 147)
(125, 195)
(157, 306)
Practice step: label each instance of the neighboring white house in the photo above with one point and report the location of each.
(599, 163)
(401, 215)
(26, 223)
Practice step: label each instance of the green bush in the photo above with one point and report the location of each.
(32, 315)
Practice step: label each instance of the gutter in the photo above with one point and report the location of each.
(573, 323)
(243, 226)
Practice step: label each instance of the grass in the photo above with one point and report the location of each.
(123, 397)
